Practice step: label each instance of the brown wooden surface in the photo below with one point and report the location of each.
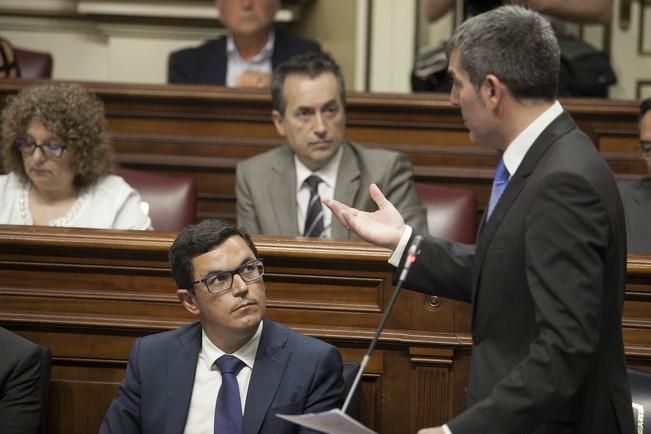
(204, 131)
(89, 294)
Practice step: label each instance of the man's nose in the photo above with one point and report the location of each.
(239, 286)
(319, 124)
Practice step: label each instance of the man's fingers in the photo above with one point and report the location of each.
(377, 196)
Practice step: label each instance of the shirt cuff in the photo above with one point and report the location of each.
(394, 259)
(445, 429)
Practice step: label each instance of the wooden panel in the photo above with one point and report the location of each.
(204, 131)
(88, 294)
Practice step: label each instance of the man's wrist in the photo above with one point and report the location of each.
(395, 257)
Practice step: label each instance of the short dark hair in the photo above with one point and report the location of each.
(312, 64)
(195, 240)
(515, 44)
(645, 106)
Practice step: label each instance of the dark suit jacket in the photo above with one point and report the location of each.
(206, 64)
(266, 189)
(292, 374)
(636, 197)
(547, 285)
(20, 390)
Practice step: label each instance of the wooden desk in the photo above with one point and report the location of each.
(204, 131)
(88, 294)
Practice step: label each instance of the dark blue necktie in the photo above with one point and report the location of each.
(228, 411)
(499, 184)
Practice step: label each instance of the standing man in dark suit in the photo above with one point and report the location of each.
(546, 280)
(244, 57)
(20, 388)
(636, 195)
(175, 381)
(309, 110)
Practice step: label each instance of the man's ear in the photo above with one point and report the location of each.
(278, 122)
(187, 300)
(493, 90)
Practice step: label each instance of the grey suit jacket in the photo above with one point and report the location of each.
(292, 374)
(266, 189)
(546, 283)
(636, 196)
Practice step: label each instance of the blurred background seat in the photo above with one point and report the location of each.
(172, 199)
(451, 212)
(34, 64)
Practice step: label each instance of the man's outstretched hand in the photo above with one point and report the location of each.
(383, 227)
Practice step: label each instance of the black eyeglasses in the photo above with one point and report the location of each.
(217, 283)
(28, 147)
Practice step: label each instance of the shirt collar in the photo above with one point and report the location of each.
(264, 54)
(519, 147)
(327, 173)
(246, 353)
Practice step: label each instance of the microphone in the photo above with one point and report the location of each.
(412, 253)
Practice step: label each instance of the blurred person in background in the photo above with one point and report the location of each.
(246, 55)
(636, 195)
(8, 63)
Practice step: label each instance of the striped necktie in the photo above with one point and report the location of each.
(314, 217)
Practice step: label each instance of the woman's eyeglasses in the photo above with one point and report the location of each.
(28, 147)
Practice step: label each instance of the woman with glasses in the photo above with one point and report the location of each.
(58, 163)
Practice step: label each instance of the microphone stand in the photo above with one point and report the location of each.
(410, 259)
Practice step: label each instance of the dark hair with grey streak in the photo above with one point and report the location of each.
(311, 64)
(196, 240)
(515, 44)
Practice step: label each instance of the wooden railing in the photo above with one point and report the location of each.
(204, 131)
(88, 294)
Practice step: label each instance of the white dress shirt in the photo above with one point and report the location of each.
(328, 174)
(208, 380)
(261, 62)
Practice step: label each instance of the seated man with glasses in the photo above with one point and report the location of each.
(58, 163)
(636, 195)
(232, 371)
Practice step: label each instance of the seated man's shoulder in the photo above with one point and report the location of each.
(158, 341)
(199, 51)
(296, 44)
(16, 348)
(300, 342)
(267, 158)
(376, 156)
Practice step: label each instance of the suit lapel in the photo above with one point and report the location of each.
(181, 358)
(268, 371)
(282, 193)
(561, 125)
(347, 188)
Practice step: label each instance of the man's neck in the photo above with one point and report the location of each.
(230, 342)
(248, 46)
(520, 115)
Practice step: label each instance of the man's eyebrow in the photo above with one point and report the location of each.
(244, 261)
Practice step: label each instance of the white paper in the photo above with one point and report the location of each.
(330, 422)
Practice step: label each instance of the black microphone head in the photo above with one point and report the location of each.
(414, 247)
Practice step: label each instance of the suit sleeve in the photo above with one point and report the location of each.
(327, 388)
(399, 189)
(566, 236)
(123, 415)
(246, 212)
(20, 398)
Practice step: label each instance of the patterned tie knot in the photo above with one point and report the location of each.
(313, 182)
(228, 364)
